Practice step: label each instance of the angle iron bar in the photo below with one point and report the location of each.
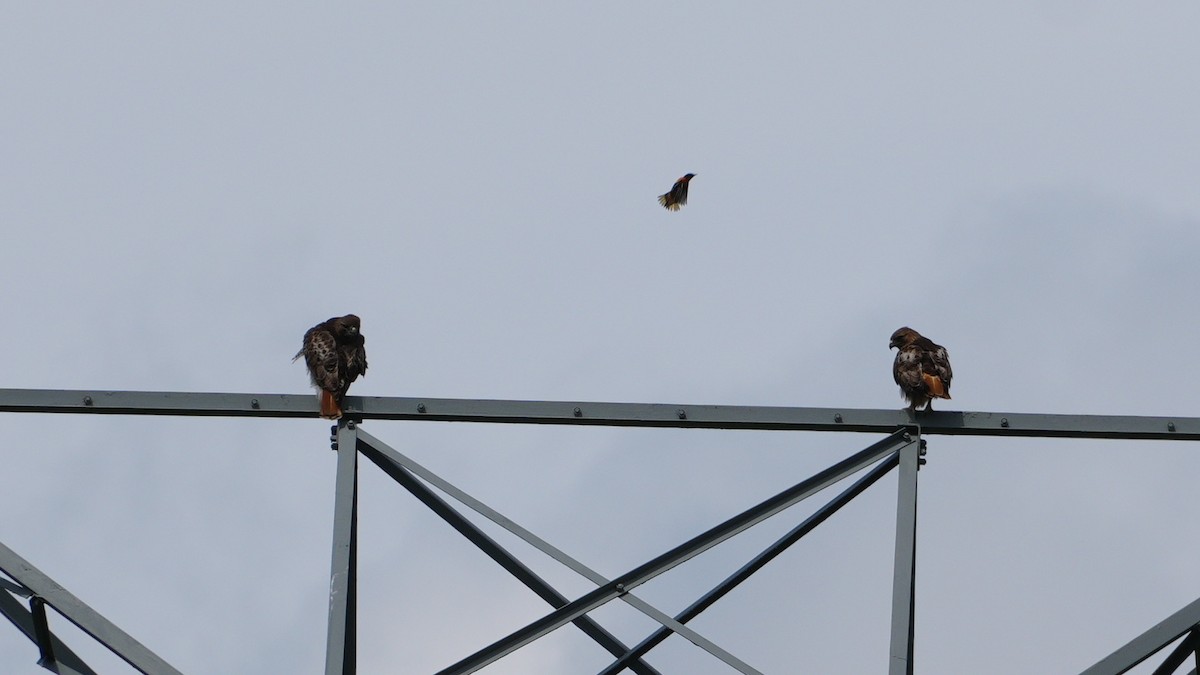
(680, 554)
(79, 613)
(1148, 643)
(400, 459)
(41, 631)
(340, 644)
(1186, 647)
(758, 562)
(604, 414)
(688, 634)
(479, 507)
(497, 553)
(368, 443)
(67, 662)
(904, 568)
(15, 589)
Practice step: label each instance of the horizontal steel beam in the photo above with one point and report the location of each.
(603, 414)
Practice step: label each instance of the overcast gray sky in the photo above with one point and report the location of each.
(185, 189)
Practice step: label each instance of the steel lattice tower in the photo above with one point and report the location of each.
(901, 448)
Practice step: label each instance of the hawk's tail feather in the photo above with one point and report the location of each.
(667, 203)
(935, 386)
(330, 410)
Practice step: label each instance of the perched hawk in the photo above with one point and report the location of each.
(335, 356)
(922, 368)
(677, 196)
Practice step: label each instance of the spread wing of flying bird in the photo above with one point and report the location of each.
(677, 195)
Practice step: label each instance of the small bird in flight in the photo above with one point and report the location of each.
(335, 354)
(677, 196)
(922, 368)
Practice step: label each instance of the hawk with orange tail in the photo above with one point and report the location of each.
(335, 354)
(677, 195)
(922, 368)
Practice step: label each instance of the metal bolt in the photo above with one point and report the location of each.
(420, 407)
(1170, 426)
(350, 424)
(924, 447)
(620, 588)
(907, 436)
(1004, 422)
(254, 403)
(921, 461)
(87, 400)
(681, 414)
(578, 412)
(837, 417)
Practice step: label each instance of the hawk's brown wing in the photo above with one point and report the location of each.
(939, 365)
(935, 363)
(353, 355)
(676, 197)
(321, 356)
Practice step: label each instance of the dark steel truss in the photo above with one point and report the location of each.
(41, 590)
(901, 449)
(603, 414)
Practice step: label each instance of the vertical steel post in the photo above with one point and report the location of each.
(41, 630)
(66, 661)
(340, 641)
(905, 565)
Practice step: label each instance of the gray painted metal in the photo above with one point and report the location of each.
(1147, 644)
(604, 414)
(15, 589)
(679, 554)
(757, 563)
(66, 661)
(377, 451)
(1186, 647)
(41, 630)
(78, 613)
(498, 553)
(576, 413)
(904, 569)
(340, 643)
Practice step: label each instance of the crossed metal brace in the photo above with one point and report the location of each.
(899, 449)
(902, 449)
